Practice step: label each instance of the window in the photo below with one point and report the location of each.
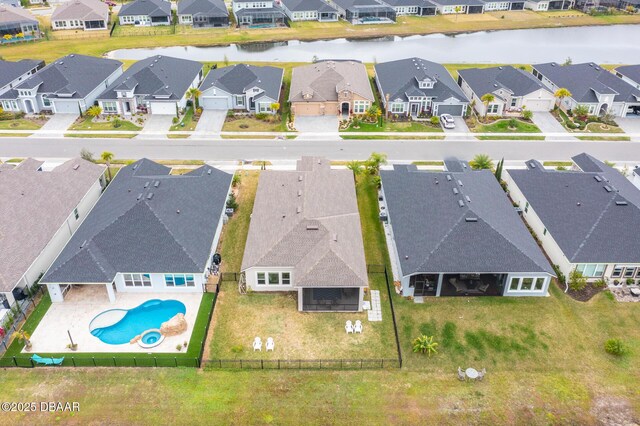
(137, 280)
(274, 278)
(262, 279)
(539, 284)
(46, 101)
(360, 107)
(515, 282)
(239, 100)
(526, 284)
(617, 272)
(493, 109)
(179, 280)
(110, 107)
(629, 272)
(591, 270)
(514, 102)
(397, 108)
(286, 278)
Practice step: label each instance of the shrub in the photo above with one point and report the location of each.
(527, 114)
(179, 348)
(230, 114)
(435, 120)
(117, 123)
(237, 349)
(559, 274)
(614, 347)
(237, 178)
(87, 155)
(262, 116)
(244, 126)
(630, 281)
(231, 202)
(425, 344)
(175, 120)
(577, 281)
(601, 283)
(513, 123)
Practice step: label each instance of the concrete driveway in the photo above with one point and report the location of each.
(156, 126)
(630, 125)
(210, 123)
(317, 124)
(547, 123)
(461, 127)
(57, 125)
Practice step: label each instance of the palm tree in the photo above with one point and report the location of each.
(94, 111)
(107, 156)
(481, 162)
(194, 94)
(373, 163)
(486, 99)
(425, 344)
(355, 166)
(560, 94)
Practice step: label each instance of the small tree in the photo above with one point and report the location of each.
(87, 155)
(568, 61)
(486, 99)
(107, 156)
(435, 120)
(373, 163)
(577, 281)
(527, 114)
(355, 166)
(237, 179)
(231, 202)
(94, 111)
(425, 344)
(194, 94)
(581, 112)
(275, 106)
(614, 347)
(561, 94)
(23, 337)
(481, 162)
(498, 171)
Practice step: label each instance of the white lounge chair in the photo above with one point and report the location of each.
(257, 344)
(358, 327)
(348, 327)
(270, 344)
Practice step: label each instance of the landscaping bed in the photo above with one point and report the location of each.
(253, 123)
(585, 123)
(501, 125)
(108, 122)
(18, 121)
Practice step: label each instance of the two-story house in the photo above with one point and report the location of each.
(11, 74)
(258, 14)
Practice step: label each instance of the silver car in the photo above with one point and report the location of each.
(447, 121)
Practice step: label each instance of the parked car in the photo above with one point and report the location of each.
(447, 121)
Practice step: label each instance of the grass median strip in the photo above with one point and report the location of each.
(101, 135)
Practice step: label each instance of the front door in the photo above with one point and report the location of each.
(415, 108)
(344, 109)
(127, 107)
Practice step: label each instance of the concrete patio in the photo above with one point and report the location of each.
(83, 303)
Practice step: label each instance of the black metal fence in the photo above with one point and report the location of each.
(301, 364)
(16, 314)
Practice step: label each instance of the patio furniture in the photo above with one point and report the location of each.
(46, 361)
(257, 344)
(358, 327)
(461, 375)
(471, 373)
(481, 374)
(270, 344)
(366, 305)
(483, 287)
(348, 327)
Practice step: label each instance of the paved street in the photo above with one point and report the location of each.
(236, 149)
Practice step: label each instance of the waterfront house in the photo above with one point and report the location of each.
(309, 10)
(365, 11)
(203, 13)
(80, 14)
(258, 14)
(145, 13)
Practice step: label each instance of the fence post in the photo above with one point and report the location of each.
(262, 364)
(114, 362)
(278, 363)
(175, 359)
(73, 361)
(241, 364)
(94, 361)
(15, 361)
(220, 363)
(135, 364)
(155, 361)
(32, 363)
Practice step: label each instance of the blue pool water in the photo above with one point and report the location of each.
(151, 314)
(151, 337)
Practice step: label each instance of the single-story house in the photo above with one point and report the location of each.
(68, 85)
(203, 13)
(496, 5)
(12, 73)
(16, 20)
(590, 85)
(305, 237)
(309, 10)
(455, 233)
(448, 7)
(365, 11)
(513, 90)
(81, 14)
(630, 74)
(545, 5)
(145, 13)
(414, 86)
(330, 88)
(624, 4)
(157, 85)
(42, 206)
(242, 87)
(582, 217)
(258, 14)
(149, 232)
(412, 7)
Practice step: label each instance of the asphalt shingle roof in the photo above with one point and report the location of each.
(458, 2)
(324, 79)
(420, 3)
(156, 76)
(630, 71)
(211, 8)
(146, 221)
(9, 71)
(153, 8)
(308, 219)
(583, 79)
(589, 223)
(306, 5)
(349, 4)
(83, 10)
(10, 14)
(457, 222)
(489, 80)
(35, 205)
(399, 77)
(236, 79)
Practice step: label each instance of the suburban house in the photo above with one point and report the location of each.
(12, 3)
(330, 88)
(630, 74)
(16, 20)
(455, 233)
(11, 74)
(414, 87)
(42, 206)
(545, 5)
(513, 90)
(582, 217)
(242, 87)
(590, 85)
(365, 11)
(149, 232)
(412, 7)
(448, 7)
(258, 14)
(635, 177)
(305, 237)
(157, 85)
(80, 14)
(495, 5)
(68, 85)
(203, 13)
(309, 10)
(145, 13)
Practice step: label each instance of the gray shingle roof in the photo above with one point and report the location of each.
(12, 3)
(590, 224)
(434, 233)
(324, 79)
(9, 14)
(257, 11)
(35, 205)
(630, 71)
(458, 2)
(83, 10)
(154, 8)
(211, 8)
(9, 71)
(306, 5)
(78, 75)
(420, 3)
(236, 79)
(156, 76)
(489, 80)
(583, 79)
(354, 4)
(171, 230)
(308, 219)
(398, 77)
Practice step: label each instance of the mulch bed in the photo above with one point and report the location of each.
(583, 295)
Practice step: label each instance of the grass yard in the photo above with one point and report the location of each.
(101, 135)
(250, 124)
(186, 124)
(19, 124)
(87, 123)
(502, 126)
(389, 126)
(374, 137)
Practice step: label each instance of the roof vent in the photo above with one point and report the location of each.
(156, 184)
(499, 68)
(298, 209)
(532, 165)
(467, 198)
(209, 171)
(312, 227)
(335, 237)
(146, 185)
(139, 197)
(470, 219)
(406, 257)
(461, 203)
(608, 188)
(84, 243)
(299, 178)
(436, 179)
(178, 211)
(460, 182)
(149, 195)
(598, 178)
(455, 191)
(578, 204)
(76, 166)
(299, 192)
(449, 178)
(621, 203)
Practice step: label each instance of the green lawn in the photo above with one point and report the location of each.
(19, 124)
(87, 124)
(250, 124)
(502, 126)
(186, 124)
(389, 126)
(101, 135)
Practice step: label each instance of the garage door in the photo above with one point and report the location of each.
(214, 103)
(307, 109)
(455, 110)
(68, 107)
(539, 105)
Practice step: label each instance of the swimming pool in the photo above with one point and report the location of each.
(129, 323)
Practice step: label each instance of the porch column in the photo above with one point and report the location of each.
(111, 293)
(55, 293)
(300, 299)
(440, 276)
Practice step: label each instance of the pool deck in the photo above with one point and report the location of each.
(83, 303)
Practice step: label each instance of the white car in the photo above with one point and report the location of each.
(447, 121)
